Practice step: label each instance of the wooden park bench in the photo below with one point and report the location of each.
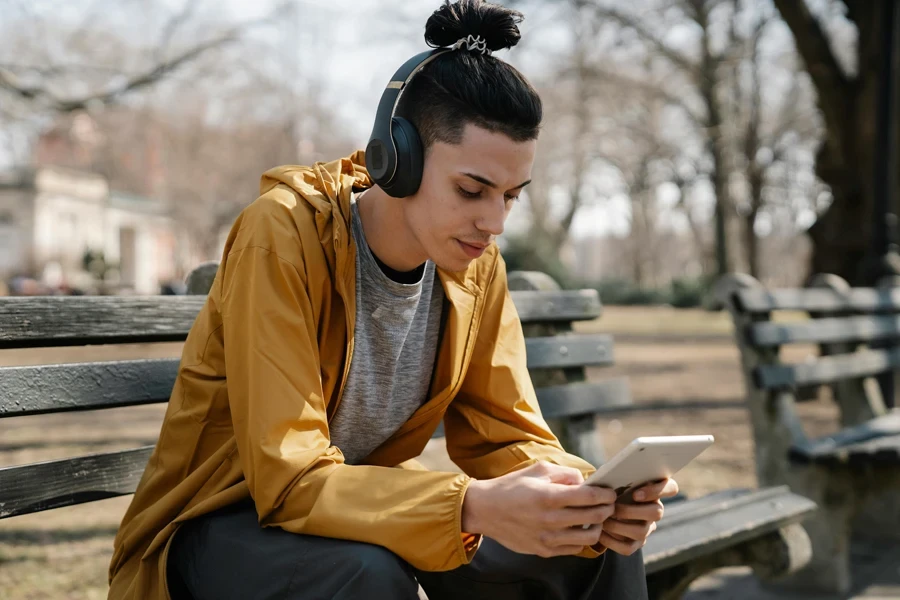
(854, 474)
(736, 527)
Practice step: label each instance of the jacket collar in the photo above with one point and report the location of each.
(328, 188)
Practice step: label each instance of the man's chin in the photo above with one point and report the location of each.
(455, 265)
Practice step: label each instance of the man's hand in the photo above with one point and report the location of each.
(538, 510)
(636, 517)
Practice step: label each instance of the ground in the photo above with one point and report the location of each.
(668, 356)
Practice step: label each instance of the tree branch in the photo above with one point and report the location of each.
(56, 70)
(172, 26)
(646, 87)
(15, 85)
(651, 38)
(12, 83)
(829, 78)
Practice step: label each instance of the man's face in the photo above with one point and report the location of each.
(466, 194)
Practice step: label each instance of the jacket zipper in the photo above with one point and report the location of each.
(342, 288)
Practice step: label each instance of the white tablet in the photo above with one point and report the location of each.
(648, 459)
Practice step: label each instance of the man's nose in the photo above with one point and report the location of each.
(492, 217)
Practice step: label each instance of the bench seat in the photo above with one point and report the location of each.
(719, 521)
(873, 443)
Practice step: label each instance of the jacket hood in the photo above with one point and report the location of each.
(327, 188)
(324, 186)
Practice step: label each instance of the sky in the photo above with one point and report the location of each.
(355, 50)
(351, 73)
(353, 77)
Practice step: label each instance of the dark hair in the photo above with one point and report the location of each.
(465, 86)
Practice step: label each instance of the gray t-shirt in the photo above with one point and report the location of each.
(397, 329)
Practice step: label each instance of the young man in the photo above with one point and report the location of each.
(343, 325)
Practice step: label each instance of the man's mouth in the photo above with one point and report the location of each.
(472, 249)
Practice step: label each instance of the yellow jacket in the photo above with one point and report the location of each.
(261, 376)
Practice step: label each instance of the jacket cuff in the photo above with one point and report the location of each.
(468, 542)
(592, 551)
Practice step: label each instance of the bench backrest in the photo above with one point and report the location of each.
(27, 322)
(857, 335)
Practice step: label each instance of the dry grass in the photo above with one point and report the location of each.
(64, 553)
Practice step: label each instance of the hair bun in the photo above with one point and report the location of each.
(497, 24)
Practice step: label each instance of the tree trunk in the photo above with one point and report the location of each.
(842, 236)
(637, 264)
(754, 171)
(701, 248)
(751, 243)
(709, 78)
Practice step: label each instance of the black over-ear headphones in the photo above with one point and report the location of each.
(394, 155)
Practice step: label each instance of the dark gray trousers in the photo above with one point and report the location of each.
(226, 555)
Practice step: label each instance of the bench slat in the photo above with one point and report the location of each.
(823, 331)
(827, 369)
(569, 351)
(85, 386)
(83, 320)
(552, 307)
(875, 441)
(820, 300)
(586, 398)
(583, 398)
(27, 322)
(695, 528)
(54, 484)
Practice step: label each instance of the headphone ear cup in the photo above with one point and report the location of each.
(410, 159)
(378, 160)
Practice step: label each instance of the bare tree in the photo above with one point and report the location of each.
(190, 111)
(847, 92)
(566, 146)
(767, 133)
(712, 80)
(89, 69)
(702, 74)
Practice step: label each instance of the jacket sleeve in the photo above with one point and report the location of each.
(298, 481)
(494, 425)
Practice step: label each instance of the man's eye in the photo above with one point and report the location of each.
(466, 193)
(511, 198)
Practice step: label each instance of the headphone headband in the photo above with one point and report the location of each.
(381, 152)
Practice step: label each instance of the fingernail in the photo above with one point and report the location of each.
(640, 495)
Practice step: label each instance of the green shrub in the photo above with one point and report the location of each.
(681, 293)
(523, 253)
(689, 293)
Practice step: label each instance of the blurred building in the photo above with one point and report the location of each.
(52, 218)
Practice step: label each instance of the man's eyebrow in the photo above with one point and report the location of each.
(490, 183)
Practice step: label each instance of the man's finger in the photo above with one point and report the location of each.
(645, 511)
(666, 488)
(630, 531)
(558, 473)
(569, 476)
(583, 515)
(618, 546)
(574, 536)
(580, 495)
